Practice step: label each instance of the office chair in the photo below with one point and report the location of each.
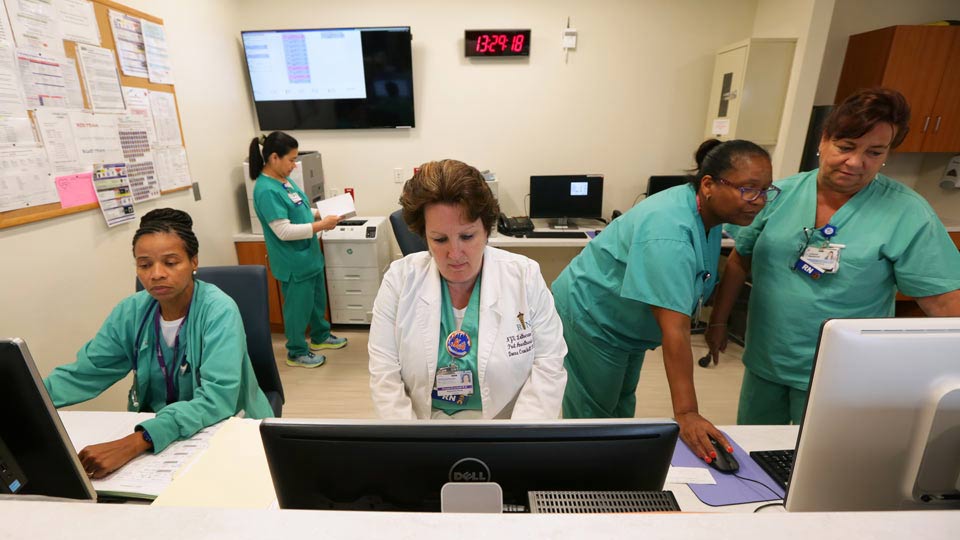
(408, 241)
(247, 285)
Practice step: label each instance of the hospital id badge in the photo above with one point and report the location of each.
(454, 382)
(295, 197)
(826, 258)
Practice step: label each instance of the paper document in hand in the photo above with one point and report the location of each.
(341, 205)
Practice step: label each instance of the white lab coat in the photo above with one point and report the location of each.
(516, 380)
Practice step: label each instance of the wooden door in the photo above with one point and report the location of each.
(916, 65)
(943, 135)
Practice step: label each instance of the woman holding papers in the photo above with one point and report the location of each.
(464, 330)
(290, 229)
(840, 242)
(182, 338)
(636, 285)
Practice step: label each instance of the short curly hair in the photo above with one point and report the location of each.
(449, 182)
(860, 112)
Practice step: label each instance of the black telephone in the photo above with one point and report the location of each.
(514, 226)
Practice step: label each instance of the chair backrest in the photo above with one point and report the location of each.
(247, 285)
(406, 239)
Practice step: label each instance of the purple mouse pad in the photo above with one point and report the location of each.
(729, 489)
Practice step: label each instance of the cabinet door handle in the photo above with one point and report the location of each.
(936, 127)
(926, 123)
(351, 276)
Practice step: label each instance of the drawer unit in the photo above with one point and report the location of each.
(357, 254)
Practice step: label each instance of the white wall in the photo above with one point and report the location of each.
(629, 102)
(920, 171)
(808, 21)
(61, 277)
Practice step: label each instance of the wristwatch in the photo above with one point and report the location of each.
(146, 436)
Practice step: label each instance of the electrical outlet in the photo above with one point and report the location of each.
(398, 175)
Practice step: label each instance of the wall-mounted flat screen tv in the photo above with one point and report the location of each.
(332, 78)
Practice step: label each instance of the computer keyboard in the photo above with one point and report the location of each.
(555, 234)
(776, 463)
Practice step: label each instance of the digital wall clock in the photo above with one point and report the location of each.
(496, 43)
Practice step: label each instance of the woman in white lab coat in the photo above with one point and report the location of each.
(463, 331)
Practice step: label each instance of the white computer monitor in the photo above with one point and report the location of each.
(881, 430)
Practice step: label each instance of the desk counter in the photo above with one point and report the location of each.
(79, 521)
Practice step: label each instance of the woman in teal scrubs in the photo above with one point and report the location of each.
(290, 227)
(839, 242)
(635, 286)
(182, 338)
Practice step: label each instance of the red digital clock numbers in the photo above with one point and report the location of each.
(497, 42)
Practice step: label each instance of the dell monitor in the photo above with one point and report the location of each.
(331, 78)
(34, 440)
(402, 466)
(561, 197)
(881, 429)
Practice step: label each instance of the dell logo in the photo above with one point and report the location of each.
(469, 470)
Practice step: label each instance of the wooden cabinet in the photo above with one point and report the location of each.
(923, 63)
(256, 253)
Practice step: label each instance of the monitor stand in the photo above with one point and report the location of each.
(564, 224)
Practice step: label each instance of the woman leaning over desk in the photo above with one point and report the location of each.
(463, 331)
(635, 286)
(290, 232)
(182, 338)
(839, 242)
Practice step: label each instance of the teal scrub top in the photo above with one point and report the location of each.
(656, 254)
(893, 241)
(156, 397)
(470, 325)
(215, 379)
(290, 260)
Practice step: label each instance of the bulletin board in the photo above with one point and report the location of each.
(101, 10)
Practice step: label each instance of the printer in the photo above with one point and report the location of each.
(357, 254)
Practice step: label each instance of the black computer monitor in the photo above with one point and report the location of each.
(566, 196)
(32, 432)
(881, 428)
(402, 466)
(660, 182)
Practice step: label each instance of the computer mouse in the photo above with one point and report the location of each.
(724, 462)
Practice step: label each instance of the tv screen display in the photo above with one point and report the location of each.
(334, 78)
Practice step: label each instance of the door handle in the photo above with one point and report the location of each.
(926, 123)
(936, 127)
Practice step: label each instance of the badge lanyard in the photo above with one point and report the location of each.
(803, 263)
(168, 374)
(455, 383)
(292, 194)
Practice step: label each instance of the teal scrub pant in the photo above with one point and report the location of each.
(764, 402)
(601, 381)
(304, 303)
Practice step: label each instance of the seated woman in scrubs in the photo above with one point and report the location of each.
(464, 330)
(182, 338)
(635, 286)
(839, 242)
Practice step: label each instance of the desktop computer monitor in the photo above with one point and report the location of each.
(566, 196)
(402, 466)
(658, 183)
(32, 432)
(881, 429)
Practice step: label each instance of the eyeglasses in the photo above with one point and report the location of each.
(751, 193)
